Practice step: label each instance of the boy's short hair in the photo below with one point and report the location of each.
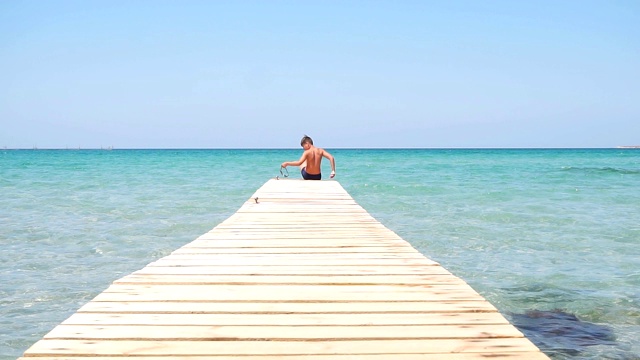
(306, 139)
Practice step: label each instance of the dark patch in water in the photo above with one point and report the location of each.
(604, 170)
(560, 332)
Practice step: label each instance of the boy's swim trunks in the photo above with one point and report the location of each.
(307, 176)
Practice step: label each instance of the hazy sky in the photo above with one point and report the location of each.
(260, 74)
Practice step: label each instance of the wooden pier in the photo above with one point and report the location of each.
(300, 271)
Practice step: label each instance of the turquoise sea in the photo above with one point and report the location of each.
(550, 236)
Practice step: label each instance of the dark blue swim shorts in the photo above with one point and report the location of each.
(307, 176)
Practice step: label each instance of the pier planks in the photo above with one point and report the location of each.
(300, 271)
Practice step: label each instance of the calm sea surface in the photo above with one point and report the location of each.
(550, 237)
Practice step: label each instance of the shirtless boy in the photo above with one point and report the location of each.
(311, 159)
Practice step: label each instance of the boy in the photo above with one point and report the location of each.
(311, 160)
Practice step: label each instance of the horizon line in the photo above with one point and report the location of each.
(111, 148)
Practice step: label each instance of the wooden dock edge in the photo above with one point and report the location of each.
(300, 271)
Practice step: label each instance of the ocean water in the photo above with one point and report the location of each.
(550, 236)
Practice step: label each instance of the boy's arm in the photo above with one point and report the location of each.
(296, 163)
(331, 160)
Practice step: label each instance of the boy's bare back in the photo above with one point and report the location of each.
(313, 159)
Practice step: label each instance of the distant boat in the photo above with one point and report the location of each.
(629, 147)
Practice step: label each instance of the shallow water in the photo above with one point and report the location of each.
(551, 232)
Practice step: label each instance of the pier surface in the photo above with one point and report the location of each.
(300, 271)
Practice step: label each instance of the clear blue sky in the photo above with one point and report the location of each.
(260, 74)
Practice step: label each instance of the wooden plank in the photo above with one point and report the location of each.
(531, 355)
(302, 243)
(286, 233)
(298, 319)
(168, 279)
(251, 348)
(316, 333)
(283, 293)
(297, 250)
(350, 227)
(202, 260)
(179, 307)
(302, 208)
(199, 253)
(294, 270)
(359, 216)
(319, 291)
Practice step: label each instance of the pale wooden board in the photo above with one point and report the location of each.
(266, 261)
(304, 273)
(300, 208)
(300, 233)
(303, 243)
(168, 279)
(356, 217)
(266, 241)
(294, 270)
(204, 249)
(288, 232)
(200, 253)
(265, 204)
(320, 291)
(316, 333)
(531, 355)
(302, 198)
(359, 238)
(284, 293)
(313, 290)
(182, 348)
(448, 356)
(297, 319)
(297, 231)
(300, 243)
(317, 224)
(177, 307)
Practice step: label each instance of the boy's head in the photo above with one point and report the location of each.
(306, 140)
